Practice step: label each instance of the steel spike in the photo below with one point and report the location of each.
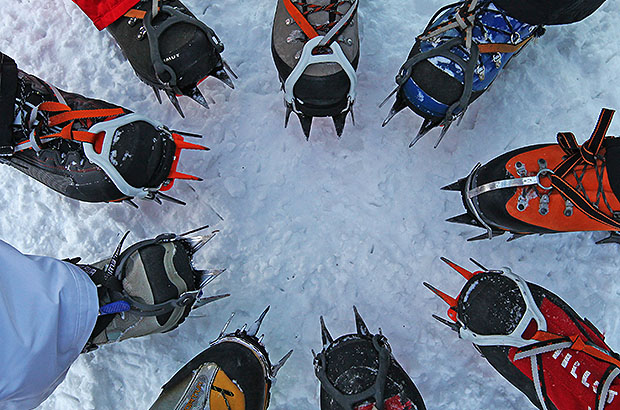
(614, 237)
(179, 175)
(260, 339)
(325, 336)
(352, 116)
(464, 272)
(485, 236)
(156, 199)
(443, 132)
(275, 369)
(446, 298)
(455, 186)
(339, 121)
(253, 330)
(208, 276)
(131, 203)
(157, 94)
(170, 199)
(221, 75)
(197, 242)
(197, 96)
(245, 326)
(426, 126)
(397, 107)
(465, 219)
(109, 271)
(186, 134)
(517, 236)
(389, 96)
(230, 70)
(194, 230)
(205, 301)
(226, 325)
(478, 264)
(306, 124)
(362, 329)
(454, 326)
(287, 116)
(175, 102)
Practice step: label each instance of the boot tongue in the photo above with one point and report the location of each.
(142, 154)
(491, 304)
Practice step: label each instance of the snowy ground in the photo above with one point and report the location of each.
(312, 228)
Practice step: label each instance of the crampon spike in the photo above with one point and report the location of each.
(157, 94)
(223, 331)
(275, 369)
(182, 144)
(397, 107)
(446, 298)
(253, 330)
(186, 134)
(325, 336)
(427, 125)
(194, 230)
(197, 96)
(464, 272)
(111, 268)
(131, 203)
(362, 329)
(394, 91)
(175, 102)
(170, 199)
(230, 70)
(339, 121)
(455, 186)
(444, 129)
(221, 74)
(179, 175)
(287, 116)
(197, 242)
(614, 237)
(208, 276)
(205, 301)
(454, 326)
(478, 264)
(306, 124)
(465, 219)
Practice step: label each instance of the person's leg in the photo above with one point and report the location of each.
(549, 12)
(105, 12)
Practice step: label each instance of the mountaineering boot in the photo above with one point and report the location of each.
(170, 49)
(534, 340)
(84, 148)
(233, 373)
(547, 188)
(358, 372)
(455, 60)
(148, 288)
(315, 47)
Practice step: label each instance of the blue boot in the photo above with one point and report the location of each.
(457, 57)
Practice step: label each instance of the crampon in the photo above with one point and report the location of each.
(455, 60)
(358, 372)
(233, 373)
(534, 340)
(84, 148)
(170, 49)
(150, 287)
(315, 47)
(547, 188)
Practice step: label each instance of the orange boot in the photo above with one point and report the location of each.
(547, 188)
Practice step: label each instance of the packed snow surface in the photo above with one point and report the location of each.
(313, 228)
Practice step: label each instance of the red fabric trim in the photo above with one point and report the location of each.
(105, 12)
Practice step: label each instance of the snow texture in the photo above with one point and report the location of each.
(312, 228)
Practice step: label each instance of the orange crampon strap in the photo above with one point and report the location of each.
(300, 19)
(69, 116)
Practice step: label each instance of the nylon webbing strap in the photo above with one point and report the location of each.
(300, 19)
(502, 47)
(577, 156)
(8, 91)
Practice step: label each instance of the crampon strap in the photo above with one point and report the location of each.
(334, 27)
(64, 114)
(548, 342)
(584, 155)
(8, 91)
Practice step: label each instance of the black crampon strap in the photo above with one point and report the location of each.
(8, 92)
(376, 391)
(586, 154)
